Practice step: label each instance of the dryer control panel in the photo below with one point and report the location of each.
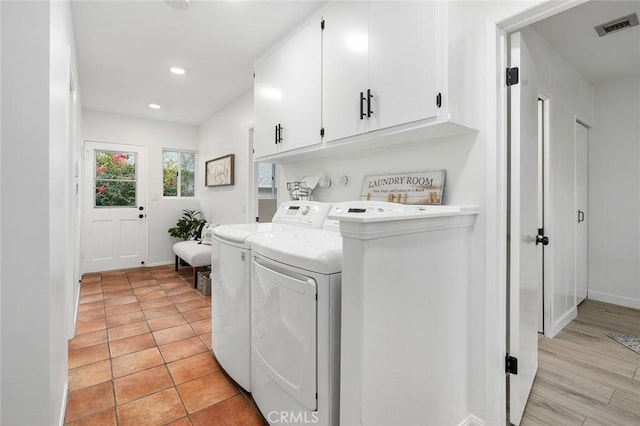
(310, 214)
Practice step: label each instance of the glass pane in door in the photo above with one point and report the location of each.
(115, 179)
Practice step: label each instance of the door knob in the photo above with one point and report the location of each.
(140, 208)
(542, 239)
(141, 216)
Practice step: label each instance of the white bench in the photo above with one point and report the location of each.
(195, 254)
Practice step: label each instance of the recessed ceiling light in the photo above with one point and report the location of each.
(178, 4)
(154, 106)
(177, 70)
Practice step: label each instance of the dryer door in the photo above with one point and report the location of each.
(284, 329)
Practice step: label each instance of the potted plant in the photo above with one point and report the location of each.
(187, 225)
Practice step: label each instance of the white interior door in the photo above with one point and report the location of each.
(582, 202)
(525, 255)
(114, 223)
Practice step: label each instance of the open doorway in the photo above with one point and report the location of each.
(267, 186)
(263, 192)
(585, 258)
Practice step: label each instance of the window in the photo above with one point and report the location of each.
(115, 179)
(178, 169)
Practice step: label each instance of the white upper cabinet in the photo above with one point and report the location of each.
(267, 105)
(402, 62)
(379, 66)
(375, 73)
(345, 69)
(287, 94)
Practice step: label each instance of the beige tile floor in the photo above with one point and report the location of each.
(142, 355)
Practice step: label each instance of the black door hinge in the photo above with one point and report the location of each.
(512, 76)
(510, 364)
(439, 100)
(322, 24)
(322, 132)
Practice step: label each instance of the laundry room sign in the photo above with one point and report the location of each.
(406, 188)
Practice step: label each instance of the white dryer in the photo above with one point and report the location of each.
(295, 321)
(230, 288)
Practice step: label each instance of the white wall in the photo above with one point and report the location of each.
(227, 132)
(37, 55)
(1, 102)
(614, 194)
(570, 96)
(162, 212)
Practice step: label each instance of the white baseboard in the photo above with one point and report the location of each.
(628, 302)
(472, 421)
(160, 263)
(63, 409)
(563, 321)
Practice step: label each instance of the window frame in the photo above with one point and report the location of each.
(179, 176)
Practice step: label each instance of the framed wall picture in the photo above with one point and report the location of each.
(219, 171)
(405, 188)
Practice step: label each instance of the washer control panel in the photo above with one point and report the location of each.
(358, 208)
(311, 214)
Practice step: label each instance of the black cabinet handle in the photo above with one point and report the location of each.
(369, 96)
(362, 115)
(140, 215)
(140, 208)
(580, 216)
(276, 135)
(279, 133)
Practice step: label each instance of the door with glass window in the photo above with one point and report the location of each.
(114, 222)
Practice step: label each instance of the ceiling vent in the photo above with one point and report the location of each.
(617, 24)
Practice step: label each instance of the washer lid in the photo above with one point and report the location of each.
(240, 232)
(314, 250)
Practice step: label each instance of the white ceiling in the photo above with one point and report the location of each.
(598, 59)
(125, 49)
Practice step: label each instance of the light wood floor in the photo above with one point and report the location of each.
(585, 377)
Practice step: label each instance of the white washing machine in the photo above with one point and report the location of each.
(230, 284)
(295, 321)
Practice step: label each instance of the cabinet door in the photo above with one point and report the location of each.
(267, 104)
(301, 69)
(345, 69)
(402, 62)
